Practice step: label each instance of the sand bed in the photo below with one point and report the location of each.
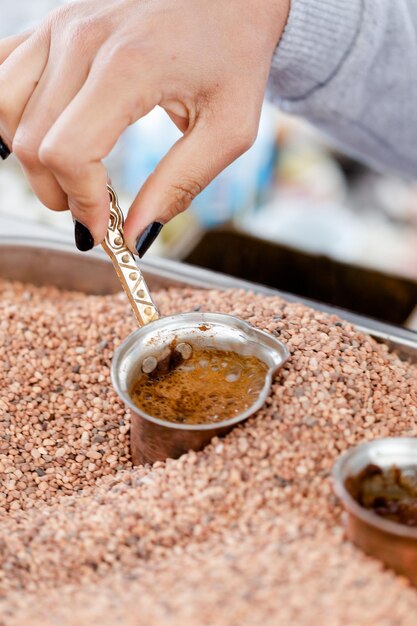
(247, 531)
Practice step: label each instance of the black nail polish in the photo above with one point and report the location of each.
(83, 238)
(146, 239)
(4, 150)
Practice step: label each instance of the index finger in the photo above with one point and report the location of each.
(9, 44)
(83, 135)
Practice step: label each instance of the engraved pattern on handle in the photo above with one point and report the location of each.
(125, 265)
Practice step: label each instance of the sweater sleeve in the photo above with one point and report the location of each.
(350, 68)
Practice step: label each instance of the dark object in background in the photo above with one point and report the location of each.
(368, 292)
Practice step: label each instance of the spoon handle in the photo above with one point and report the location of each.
(124, 263)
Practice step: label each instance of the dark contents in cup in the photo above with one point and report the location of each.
(390, 493)
(209, 387)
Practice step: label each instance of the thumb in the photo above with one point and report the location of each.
(183, 173)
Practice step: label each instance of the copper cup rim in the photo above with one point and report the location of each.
(205, 317)
(353, 507)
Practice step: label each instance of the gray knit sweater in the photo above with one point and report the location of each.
(350, 67)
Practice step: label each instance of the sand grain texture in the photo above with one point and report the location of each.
(245, 532)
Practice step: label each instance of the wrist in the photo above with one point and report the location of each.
(267, 17)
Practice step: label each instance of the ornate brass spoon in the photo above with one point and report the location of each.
(124, 263)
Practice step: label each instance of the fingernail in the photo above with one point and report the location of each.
(84, 240)
(4, 150)
(146, 239)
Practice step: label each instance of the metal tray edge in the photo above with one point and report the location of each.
(400, 340)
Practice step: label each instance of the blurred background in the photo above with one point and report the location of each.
(291, 213)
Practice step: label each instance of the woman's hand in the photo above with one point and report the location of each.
(71, 87)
